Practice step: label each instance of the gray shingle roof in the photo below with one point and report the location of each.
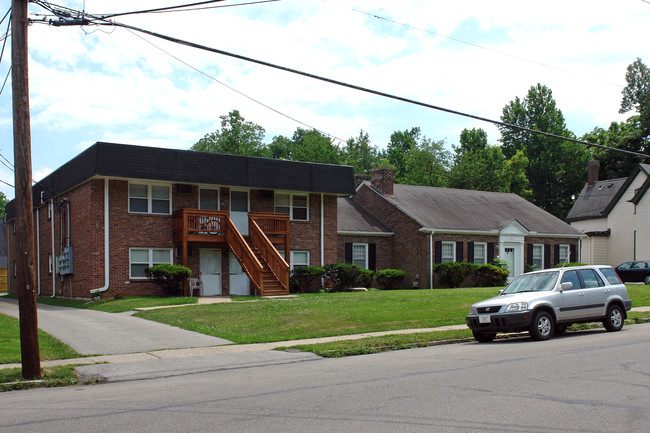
(352, 218)
(593, 202)
(598, 201)
(467, 210)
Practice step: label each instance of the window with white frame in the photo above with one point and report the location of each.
(538, 256)
(299, 259)
(142, 258)
(145, 198)
(50, 264)
(480, 253)
(564, 254)
(296, 205)
(448, 252)
(360, 255)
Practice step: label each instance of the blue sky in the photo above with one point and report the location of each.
(102, 84)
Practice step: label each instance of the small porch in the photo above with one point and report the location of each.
(256, 253)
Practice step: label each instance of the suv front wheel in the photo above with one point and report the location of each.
(542, 326)
(614, 318)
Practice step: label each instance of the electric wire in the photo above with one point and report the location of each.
(370, 91)
(235, 90)
(8, 162)
(4, 83)
(451, 38)
(7, 183)
(218, 7)
(163, 9)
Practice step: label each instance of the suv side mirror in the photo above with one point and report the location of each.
(566, 286)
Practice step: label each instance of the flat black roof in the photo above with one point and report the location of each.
(190, 167)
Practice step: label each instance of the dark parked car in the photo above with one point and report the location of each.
(634, 272)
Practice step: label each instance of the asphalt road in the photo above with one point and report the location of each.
(584, 382)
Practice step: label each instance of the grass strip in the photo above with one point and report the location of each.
(49, 347)
(63, 375)
(113, 305)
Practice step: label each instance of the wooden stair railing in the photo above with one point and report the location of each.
(268, 253)
(247, 259)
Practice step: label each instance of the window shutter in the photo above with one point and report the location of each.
(438, 248)
(574, 255)
(348, 252)
(547, 256)
(490, 252)
(529, 258)
(459, 251)
(556, 253)
(470, 252)
(372, 257)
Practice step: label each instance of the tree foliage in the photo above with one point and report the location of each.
(557, 169)
(360, 154)
(236, 136)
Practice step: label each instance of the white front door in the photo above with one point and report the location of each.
(239, 210)
(240, 284)
(510, 258)
(210, 267)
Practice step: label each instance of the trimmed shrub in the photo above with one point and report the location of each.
(390, 279)
(454, 274)
(307, 279)
(340, 276)
(169, 278)
(566, 265)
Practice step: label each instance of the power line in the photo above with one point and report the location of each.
(235, 90)
(451, 38)
(367, 90)
(7, 183)
(165, 9)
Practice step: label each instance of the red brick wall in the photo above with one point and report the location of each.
(384, 245)
(410, 247)
(132, 230)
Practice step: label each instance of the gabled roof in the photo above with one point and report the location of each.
(353, 219)
(186, 166)
(449, 209)
(599, 200)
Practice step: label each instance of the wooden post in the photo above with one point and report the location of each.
(24, 219)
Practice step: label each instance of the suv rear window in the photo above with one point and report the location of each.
(590, 278)
(611, 276)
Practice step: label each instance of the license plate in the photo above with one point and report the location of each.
(484, 319)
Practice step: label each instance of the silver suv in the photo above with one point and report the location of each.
(546, 302)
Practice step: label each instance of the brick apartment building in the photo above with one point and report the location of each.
(413, 228)
(115, 209)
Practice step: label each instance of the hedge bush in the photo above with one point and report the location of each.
(455, 274)
(390, 279)
(169, 278)
(307, 279)
(340, 276)
(565, 265)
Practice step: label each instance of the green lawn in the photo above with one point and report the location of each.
(325, 314)
(49, 347)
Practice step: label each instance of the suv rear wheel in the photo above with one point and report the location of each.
(542, 326)
(614, 318)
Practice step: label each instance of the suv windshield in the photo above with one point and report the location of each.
(539, 282)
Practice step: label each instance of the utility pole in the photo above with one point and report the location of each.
(24, 221)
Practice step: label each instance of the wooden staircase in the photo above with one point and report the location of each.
(270, 283)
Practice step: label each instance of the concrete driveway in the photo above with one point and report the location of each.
(97, 333)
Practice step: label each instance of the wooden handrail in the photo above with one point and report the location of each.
(276, 263)
(244, 254)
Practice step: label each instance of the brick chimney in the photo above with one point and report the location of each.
(381, 178)
(593, 167)
(358, 178)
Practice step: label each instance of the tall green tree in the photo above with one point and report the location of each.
(236, 136)
(360, 154)
(477, 165)
(427, 163)
(636, 95)
(557, 168)
(398, 149)
(306, 145)
(626, 135)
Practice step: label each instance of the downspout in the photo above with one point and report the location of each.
(430, 232)
(53, 250)
(322, 230)
(106, 243)
(38, 252)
